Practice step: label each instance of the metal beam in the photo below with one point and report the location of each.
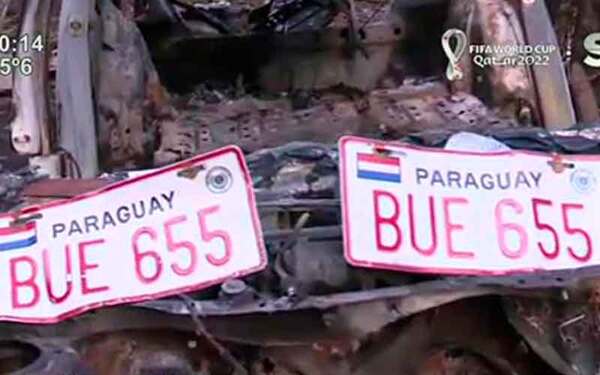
(551, 81)
(74, 84)
(31, 128)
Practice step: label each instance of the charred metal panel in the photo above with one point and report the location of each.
(509, 88)
(394, 113)
(133, 108)
(553, 91)
(77, 115)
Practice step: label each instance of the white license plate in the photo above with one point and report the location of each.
(429, 210)
(178, 229)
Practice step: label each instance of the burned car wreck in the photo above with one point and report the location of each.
(145, 94)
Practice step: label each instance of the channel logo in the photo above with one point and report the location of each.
(484, 55)
(591, 44)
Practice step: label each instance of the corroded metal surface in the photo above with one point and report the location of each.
(496, 23)
(33, 125)
(310, 313)
(584, 98)
(551, 82)
(79, 47)
(255, 124)
(133, 108)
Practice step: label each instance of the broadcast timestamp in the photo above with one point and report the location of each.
(15, 53)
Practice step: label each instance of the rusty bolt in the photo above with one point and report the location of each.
(291, 292)
(76, 26)
(558, 164)
(233, 287)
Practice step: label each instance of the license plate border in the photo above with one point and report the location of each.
(427, 269)
(256, 227)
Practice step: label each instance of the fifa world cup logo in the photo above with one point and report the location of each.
(454, 54)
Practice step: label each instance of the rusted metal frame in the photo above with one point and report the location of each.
(285, 304)
(201, 331)
(552, 84)
(394, 303)
(330, 231)
(123, 318)
(32, 126)
(549, 284)
(77, 40)
(298, 204)
(63, 188)
(468, 328)
(333, 320)
(543, 348)
(293, 237)
(285, 327)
